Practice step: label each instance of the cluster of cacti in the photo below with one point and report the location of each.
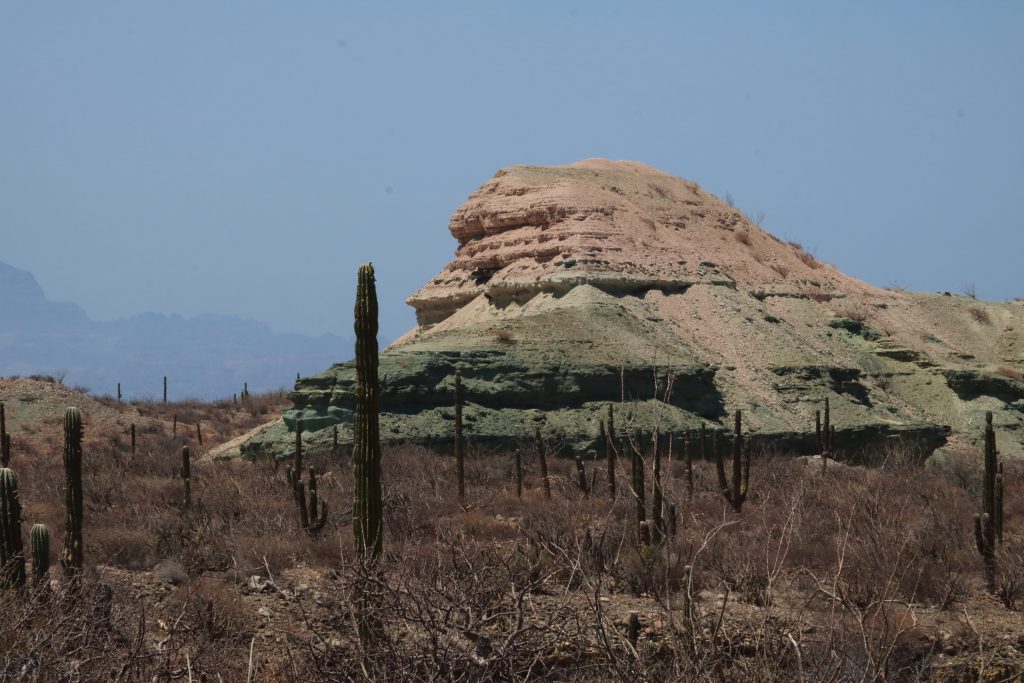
(73, 554)
(186, 474)
(736, 492)
(367, 514)
(312, 512)
(988, 524)
(12, 552)
(12, 555)
(460, 447)
(5, 439)
(245, 391)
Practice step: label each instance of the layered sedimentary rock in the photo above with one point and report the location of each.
(598, 283)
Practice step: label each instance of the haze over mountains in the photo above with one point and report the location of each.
(209, 356)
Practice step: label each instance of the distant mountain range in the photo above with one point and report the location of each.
(208, 356)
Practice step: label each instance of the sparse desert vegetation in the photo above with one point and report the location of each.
(831, 571)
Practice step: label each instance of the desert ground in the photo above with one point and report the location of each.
(831, 572)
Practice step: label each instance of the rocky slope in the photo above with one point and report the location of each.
(610, 282)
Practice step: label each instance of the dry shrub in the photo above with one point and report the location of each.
(980, 315)
(501, 588)
(816, 294)
(854, 310)
(808, 259)
(503, 335)
(781, 269)
(742, 237)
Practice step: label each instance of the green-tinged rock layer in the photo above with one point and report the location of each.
(611, 283)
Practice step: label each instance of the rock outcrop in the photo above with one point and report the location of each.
(610, 282)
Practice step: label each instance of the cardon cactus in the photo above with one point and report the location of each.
(12, 554)
(367, 514)
(736, 493)
(988, 524)
(39, 539)
(73, 555)
(312, 514)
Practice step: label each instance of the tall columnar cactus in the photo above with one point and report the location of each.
(368, 518)
(639, 485)
(542, 455)
(199, 432)
(39, 540)
(186, 474)
(988, 523)
(118, 392)
(5, 442)
(334, 442)
(611, 451)
(460, 446)
(73, 555)
(131, 430)
(736, 494)
(657, 498)
(165, 388)
(12, 554)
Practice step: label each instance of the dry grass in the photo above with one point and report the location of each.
(841, 565)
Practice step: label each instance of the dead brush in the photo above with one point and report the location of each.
(980, 315)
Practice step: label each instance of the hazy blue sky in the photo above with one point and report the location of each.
(245, 157)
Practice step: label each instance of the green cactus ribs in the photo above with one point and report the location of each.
(73, 555)
(12, 556)
(367, 522)
(39, 539)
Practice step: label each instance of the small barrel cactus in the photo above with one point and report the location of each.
(39, 539)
